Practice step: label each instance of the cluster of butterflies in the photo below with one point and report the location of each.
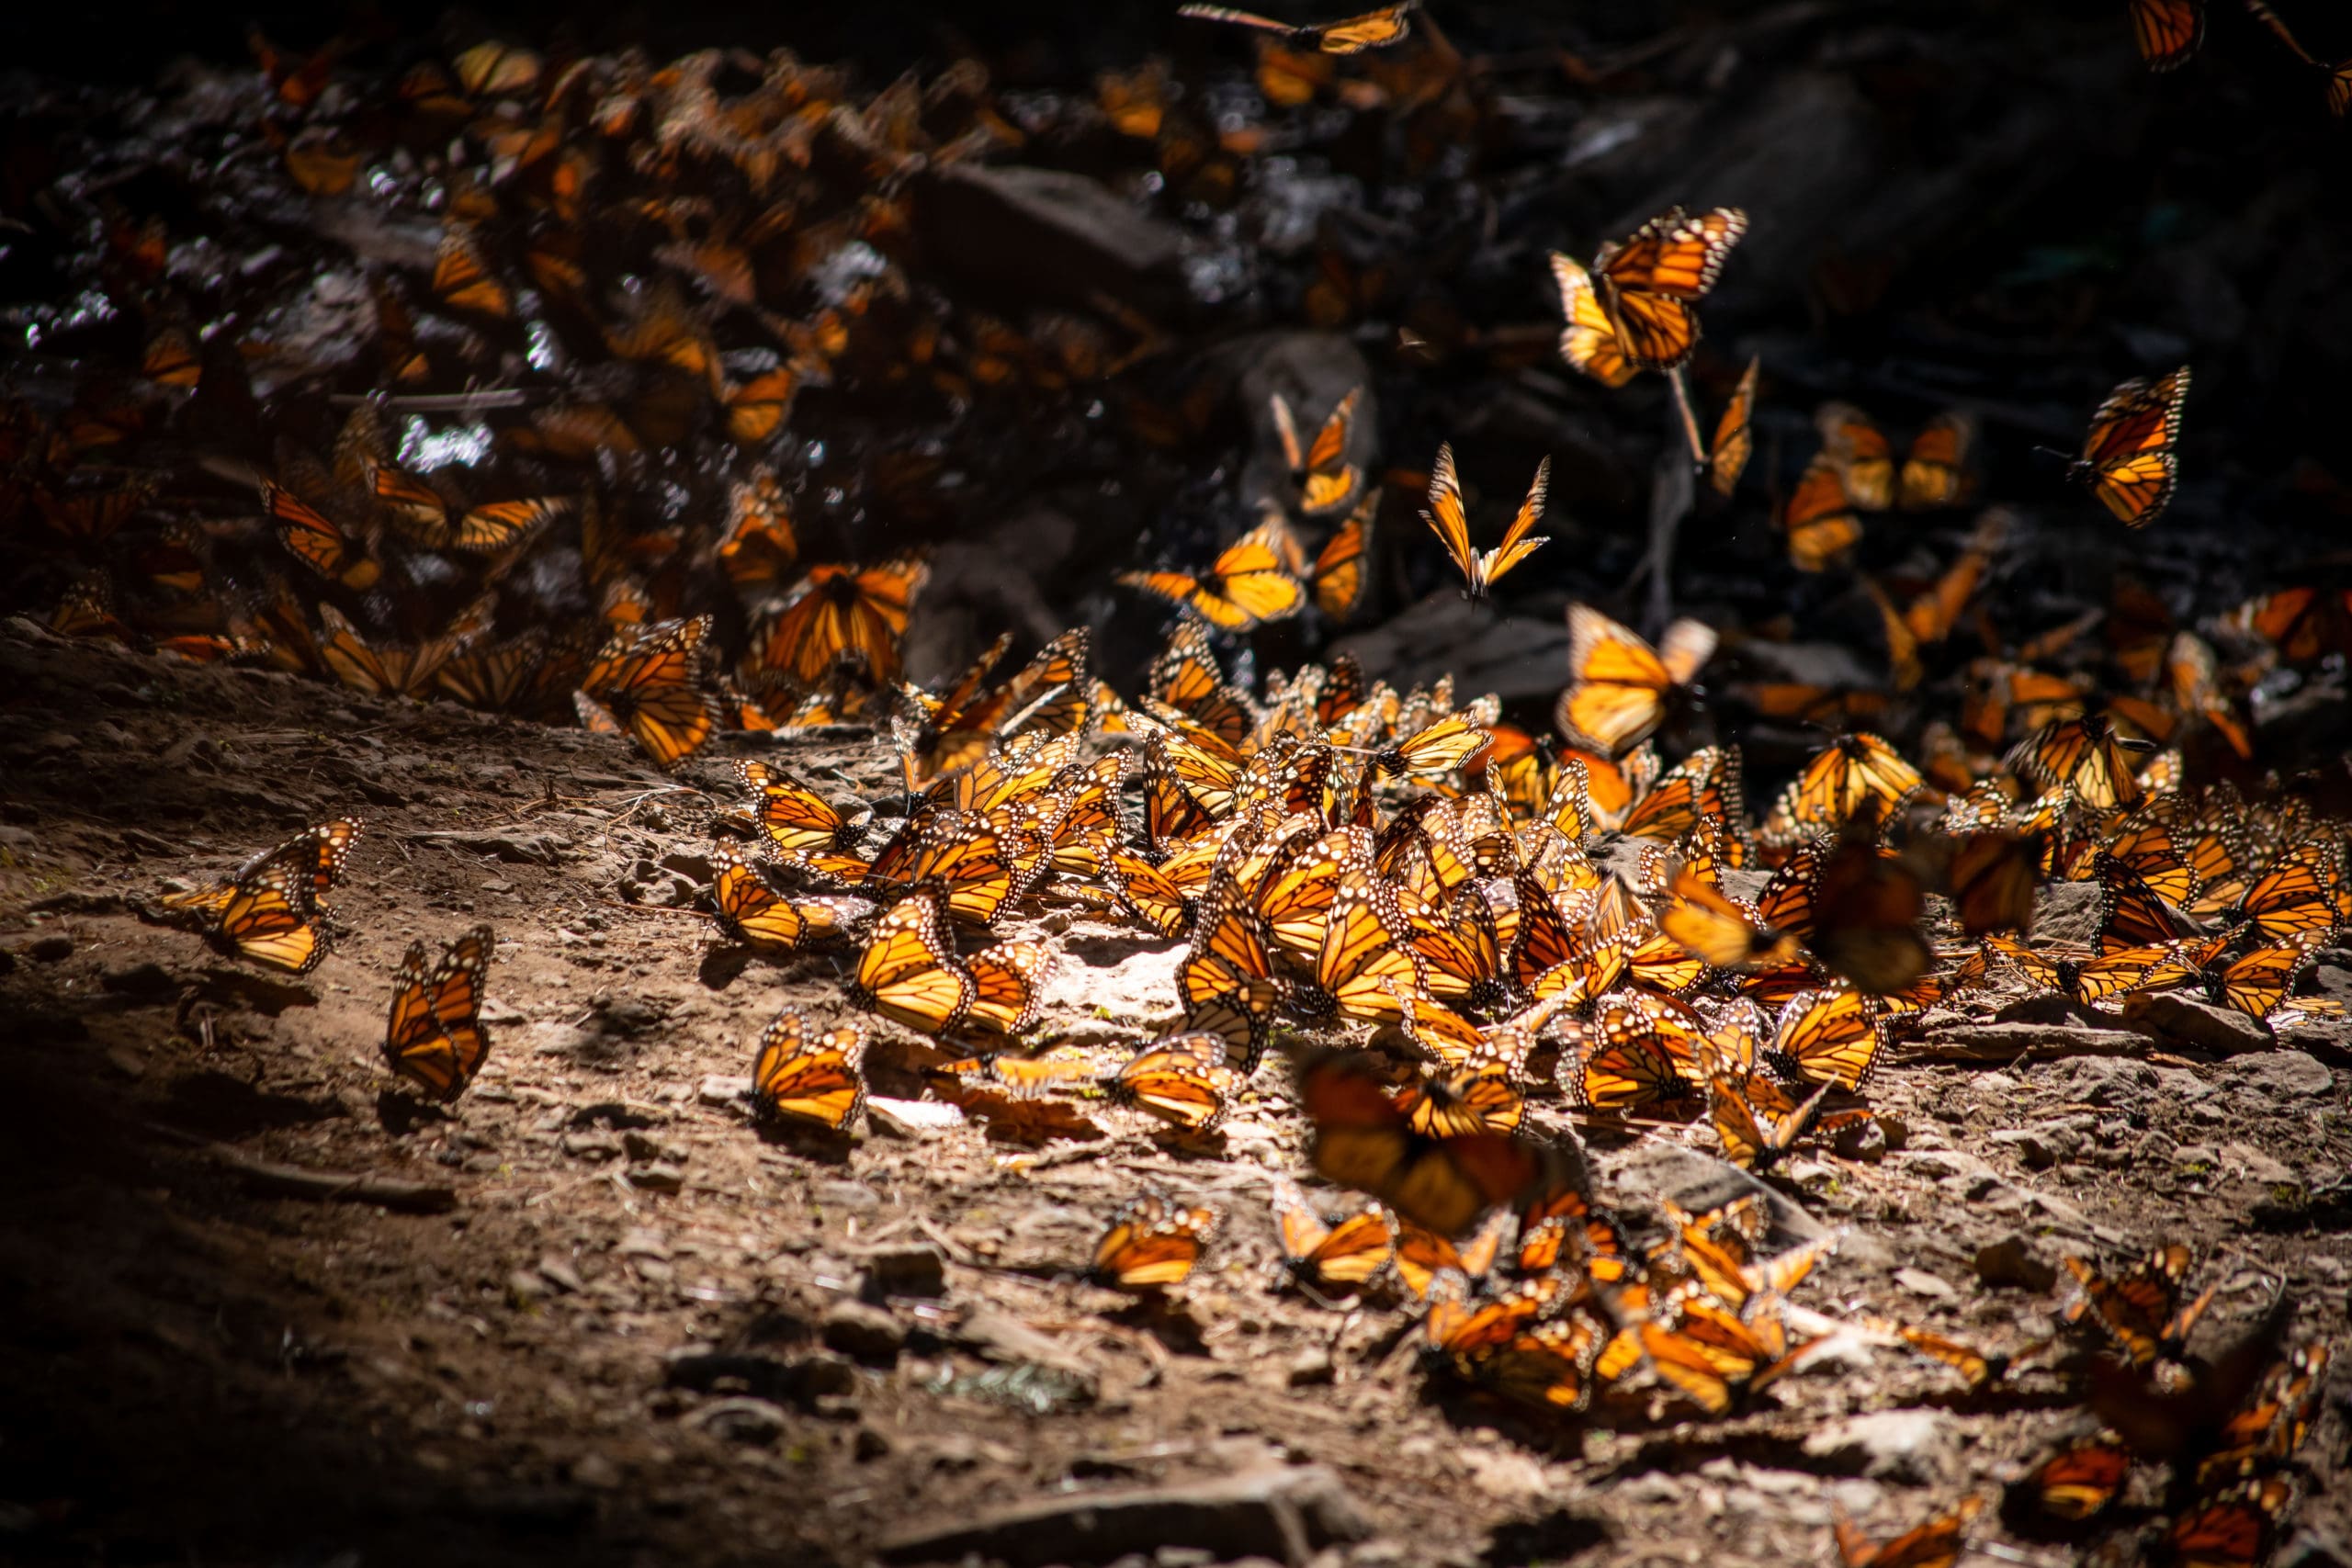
(273, 911)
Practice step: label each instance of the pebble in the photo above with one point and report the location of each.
(1920, 1282)
(2276, 1074)
(2012, 1261)
(1916, 1446)
(55, 949)
(904, 1269)
(860, 1329)
(2185, 1020)
(756, 1423)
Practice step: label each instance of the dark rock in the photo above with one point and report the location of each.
(1512, 657)
(864, 1331)
(1287, 1513)
(2050, 1008)
(799, 1380)
(1699, 1182)
(1050, 237)
(2000, 1041)
(756, 1423)
(2101, 1080)
(692, 864)
(2276, 1074)
(1310, 1368)
(2066, 912)
(2011, 1261)
(2185, 1020)
(659, 1177)
(150, 980)
(904, 1269)
(514, 848)
(2033, 1150)
(870, 1444)
(50, 949)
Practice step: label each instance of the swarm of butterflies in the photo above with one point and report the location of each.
(1441, 919)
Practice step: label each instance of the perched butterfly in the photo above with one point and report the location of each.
(2265, 1432)
(1727, 458)
(1481, 569)
(802, 1075)
(793, 816)
(1248, 583)
(1976, 1366)
(1343, 1257)
(462, 276)
(1828, 1037)
(1857, 779)
(1648, 282)
(2299, 894)
(1182, 1080)
(1363, 1141)
(2234, 1528)
(1351, 35)
(434, 1036)
(2080, 1480)
(753, 913)
(1620, 688)
(310, 537)
(1757, 1120)
(650, 680)
(1326, 479)
(1423, 1255)
(388, 671)
(1936, 1544)
(2128, 458)
(1641, 1051)
(1152, 1243)
(910, 971)
(2084, 755)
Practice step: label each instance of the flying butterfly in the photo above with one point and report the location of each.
(803, 1074)
(649, 679)
(1620, 688)
(1339, 577)
(1350, 35)
(1152, 1243)
(1248, 583)
(1727, 457)
(2139, 1309)
(315, 541)
(2128, 458)
(1361, 1140)
(2167, 31)
(2233, 1528)
(434, 1036)
(1818, 518)
(1648, 281)
(1719, 932)
(2079, 1482)
(1326, 479)
(1589, 343)
(1481, 569)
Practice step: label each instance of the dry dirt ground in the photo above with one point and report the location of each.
(613, 1321)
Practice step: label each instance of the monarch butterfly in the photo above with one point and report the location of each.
(843, 610)
(1441, 748)
(1857, 780)
(1991, 877)
(1344, 1255)
(1866, 908)
(424, 514)
(2167, 31)
(1648, 281)
(2298, 893)
(1717, 931)
(269, 912)
(1563, 1219)
(1620, 688)
(1365, 959)
(1830, 1036)
(650, 678)
(2131, 915)
(1326, 479)
(1421, 1255)
(316, 856)
(793, 816)
(1757, 1120)
(316, 542)
(1640, 1053)
(1246, 586)
(910, 971)
(1186, 677)
(1481, 569)
(1361, 1139)
(1351, 35)
(2084, 755)
(1149, 895)
(2255, 982)
(462, 278)
(2128, 458)
(752, 913)
(1712, 1356)
(2139, 1309)
(2339, 76)
(1481, 1095)
(2086, 978)
(1589, 341)
(1818, 518)
(434, 1036)
(1935, 471)
(385, 672)
(2234, 1528)
(492, 678)
(1230, 968)
(1341, 579)
(1152, 1242)
(1727, 457)
(1182, 1080)
(802, 1075)
(2079, 1482)
(1977, 1366)
(2272, 1425)
(1859, 451)
(1936, 1544)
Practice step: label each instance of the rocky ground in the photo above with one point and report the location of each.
(265, 1306)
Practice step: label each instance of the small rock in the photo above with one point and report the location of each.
(907, 1119)
(2048, 1007)
(2276, 1074)
(753, 1422)
(2185, 1020)
(1914, 1447)
(559, 1273)
(723, 1092)
(2251, 1164)
(2100, 1080)
(844, 1195)
(905, 1269)
(641, 1241)
(666, 1179)
(1920, 1282)
(55, 949)
(1311, 1367)
(597, 1472)
(1275, 1511)
(2011, 1261)
(2032, 1149)
(596, 1146)
(860, 1329)
(869, 1444)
